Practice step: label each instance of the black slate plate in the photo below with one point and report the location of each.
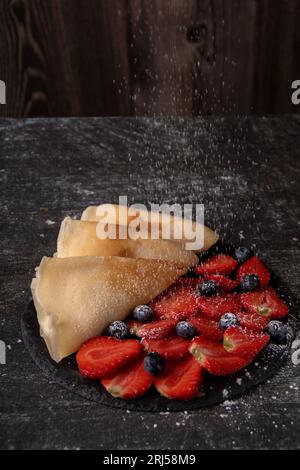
(215, 390)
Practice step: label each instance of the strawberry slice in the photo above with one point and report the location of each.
(254, 266)
(155, 330)
(252, 321)
(215, 307)
(215, 359)
(218, 264)
(131, 382)
(244, 343)
(105, 355)
(225, 283)
(192, 282)
(207, 327)
(178, 302)
(180, 380)
(266, 303)
(171, 348)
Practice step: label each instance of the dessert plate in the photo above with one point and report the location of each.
(215, 389)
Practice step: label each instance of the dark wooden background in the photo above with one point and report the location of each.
(148, 57)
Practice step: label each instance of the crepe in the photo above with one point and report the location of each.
(79, 238)
(77, 298)
(120, 215)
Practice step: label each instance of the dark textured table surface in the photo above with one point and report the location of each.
(245, 170)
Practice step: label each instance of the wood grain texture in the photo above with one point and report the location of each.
(245, 170)
(134, 57)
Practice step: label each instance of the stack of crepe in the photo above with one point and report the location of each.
(91, 282)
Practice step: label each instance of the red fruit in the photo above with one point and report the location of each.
(180, 380)
(131, 382)
(207, 327)
(218, 264)
(178, 302)
(265, 302)
(215, 359)
(252, 321)
(254, 266)
(192, 282)
(154, 330)
(224, 282)
(243, 342)
(171, 348)
(215, 307)
(104, 355)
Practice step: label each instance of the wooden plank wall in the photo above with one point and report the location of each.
(148, 57)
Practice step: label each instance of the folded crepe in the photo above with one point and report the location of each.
(79, 238)
(120, 215)
(77, 298)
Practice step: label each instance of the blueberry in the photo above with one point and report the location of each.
(208, 288)
(277, 331)
(249, 283)
(118, 329)
(227, 320)
(242, 253)
(185, 329)
(153, 363)
(143, 313)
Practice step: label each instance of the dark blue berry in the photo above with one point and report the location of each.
(185, 329)
(209, 288)
(227, 320)
(277, 331)
(242, 253)
(143, 313)
(118, 329)
(249, 283)
(153, 363)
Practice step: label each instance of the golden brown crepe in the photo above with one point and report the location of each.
(79, 238)
(77, 298)
(123, 217)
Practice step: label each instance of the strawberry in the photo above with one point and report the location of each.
(180, 380)
(171, 348)
(207, 327)
(105, 355)
(215, 359)
(178, 302)
(192, 282)
(131, 382)
(215, 307)
(154, 330)
(254, 266)
(244, 343)
(224, 282)
(218, 264)
(265, 302)
(252, 321)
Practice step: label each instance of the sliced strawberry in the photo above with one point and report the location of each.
(244, 343)
(154, 330)
(225, 283)
(178, 302)
(131, 382)
(215, 359)
(254, 266)
(252, 321)
(218, 264)
(207, 327)
(180, 380)
(171, 348)
(192, 282)
(105, 355)
(265, 302)
(215, 307)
